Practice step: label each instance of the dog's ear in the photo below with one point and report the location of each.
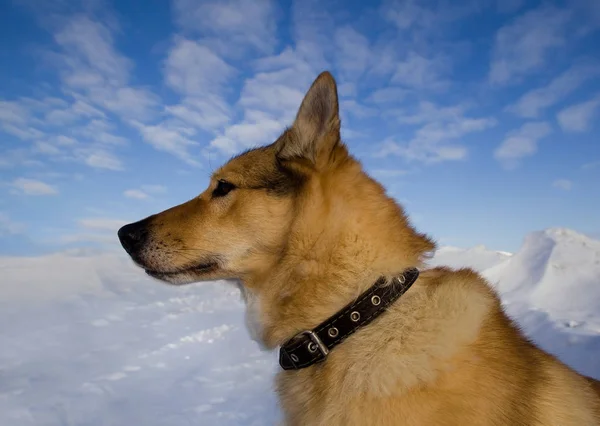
(316, 129)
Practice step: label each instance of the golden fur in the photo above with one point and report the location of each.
(304, 230)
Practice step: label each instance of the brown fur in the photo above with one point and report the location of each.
(304, 232)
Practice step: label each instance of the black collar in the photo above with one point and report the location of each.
(312, 346)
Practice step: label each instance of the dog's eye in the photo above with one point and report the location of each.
(223, 188)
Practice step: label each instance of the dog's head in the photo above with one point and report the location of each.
(260, 202)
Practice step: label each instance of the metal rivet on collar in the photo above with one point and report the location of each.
(375, 300)
(333, 332)
(312, 347)
(294, 357)
(402, 279)
(355, 316)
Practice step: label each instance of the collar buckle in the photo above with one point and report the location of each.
(316, 342)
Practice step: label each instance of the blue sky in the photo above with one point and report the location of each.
(480, 117)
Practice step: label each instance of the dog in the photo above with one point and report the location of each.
(334, 274)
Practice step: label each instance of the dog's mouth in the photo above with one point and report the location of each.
(199, 269)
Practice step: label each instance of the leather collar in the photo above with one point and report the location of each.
(312, 346)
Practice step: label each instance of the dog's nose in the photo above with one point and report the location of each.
(133, 236)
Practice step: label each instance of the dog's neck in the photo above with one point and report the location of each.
(304, 300)
(319, 275)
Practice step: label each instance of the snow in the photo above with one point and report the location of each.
(478, 257)
(551, 286)
(88, 339)
(558, 271)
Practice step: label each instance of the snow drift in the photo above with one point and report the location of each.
(551, 286)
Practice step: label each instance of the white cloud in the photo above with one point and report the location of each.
(45, 148)
(65, 140)
(94, 230)
(346, 89)
(313, 29)
(521, 143)
(415, 57)
(144, 191)
(389, 173)
(388, 95)
(91, 57)
(209, 112)
(101, 224)
(275, 92)
(230, 24)
(419, 72)
(25, 134)
(258, 128)
(84, 109)
(43, 103)
(93, 147)
(60, 117)
(98, 77)
(136, 194)
(154, 189)
(13, 113)
(127, 102)
(532, 103)
(577, 118)
(15, 119)
(169, 138)
(350, 106)
(270, 100)
(22, 117)
(194, 69)
(439, 137)
(563, 184)
(590, 165)
(8, 226)
(524, 45)
(407, 14)
(17, 158)
(352, 53)
(202, 78)
(97, 132)
(95, 78)
(33, 187)
(429, 112)
(100, 159)
(84, 237)
(430, 143)
(384, 59)
(95, 136)
(108, 138)
(424, 18)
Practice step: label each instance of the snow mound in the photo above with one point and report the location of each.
(551, 287)
(479, 257)
(556, 271)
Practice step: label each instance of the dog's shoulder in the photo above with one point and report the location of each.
(454, 293)
(464, 278)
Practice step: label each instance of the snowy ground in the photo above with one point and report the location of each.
(89, 340)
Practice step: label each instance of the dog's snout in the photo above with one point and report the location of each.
(133, 236)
